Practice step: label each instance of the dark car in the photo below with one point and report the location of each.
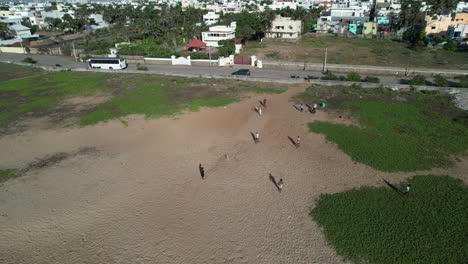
(242, 72)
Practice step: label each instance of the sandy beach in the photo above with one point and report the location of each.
(136, 196)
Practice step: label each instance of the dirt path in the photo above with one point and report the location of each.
(140, 199)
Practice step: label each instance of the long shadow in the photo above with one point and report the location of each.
(297, 108)
(253, 137)
(255, 109)
(311, 108)
(261, 103)
(292, 141)
(393, 187)
(273, 180)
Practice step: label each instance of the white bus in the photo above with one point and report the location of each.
(107, 63)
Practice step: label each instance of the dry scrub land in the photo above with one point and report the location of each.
(358, 51)
(103, 168)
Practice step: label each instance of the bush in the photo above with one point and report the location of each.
(274, 54)
(440, 81)
(353, 77)
(147, 47)
(418, 80)
(372, 79)
(463, 81)
(228, 47)
(331, 76)
(379, 225)
(451, 45)
(141, 67)
(29, 60)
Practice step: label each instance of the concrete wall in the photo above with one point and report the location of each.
(19, 50)
(371, 70)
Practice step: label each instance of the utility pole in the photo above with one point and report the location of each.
(324, 70)
(209, 55)
(74, 50)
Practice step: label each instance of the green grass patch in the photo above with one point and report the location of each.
(150, 95)
(7, 174)
(12, 71)
(379, 225)
(396, 136)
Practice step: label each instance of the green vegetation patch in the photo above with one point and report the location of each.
(150, 95)
(396, 136)
(12, 71)
(379, 225)
(395, 131)
(7, 174)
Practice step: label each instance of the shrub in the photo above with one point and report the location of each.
(227, 48)
(372, 79)
(451, 45)
(440, 81)
(353, 77)
(331, 76)
(418, 80)
(463, 81)
(141, 67)
(29, 60)
(274, 54)
(381, 225)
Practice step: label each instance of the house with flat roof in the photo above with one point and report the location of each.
(218, 33)
(211, 18)
(284, 28)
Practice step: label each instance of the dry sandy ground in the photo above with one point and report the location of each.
(140, 199)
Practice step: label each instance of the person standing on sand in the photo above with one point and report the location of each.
(280, 185)
(298, 142)
(260, 110)
(301, 107)
(257, 137)
(202, 171)
(264, 102)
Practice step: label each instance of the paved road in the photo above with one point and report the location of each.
(461, 97)
(68, 62)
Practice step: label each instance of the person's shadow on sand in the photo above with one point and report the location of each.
(292, 141)
(273, 180)
(393, 187)
(253, 137)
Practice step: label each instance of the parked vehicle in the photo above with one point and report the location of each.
(242, 72)
(310, 77)
(107, 63)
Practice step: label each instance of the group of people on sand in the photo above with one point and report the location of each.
(256, 135)
(312, 107)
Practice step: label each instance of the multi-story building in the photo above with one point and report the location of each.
(285, 28)
(218, 33)
(437, 24)
(211, 18)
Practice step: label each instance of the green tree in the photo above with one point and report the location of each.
(227, 47)
(6, 32)
(412, 19)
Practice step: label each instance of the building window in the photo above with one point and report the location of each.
(433, 27)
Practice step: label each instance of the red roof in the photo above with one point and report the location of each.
(196, 43)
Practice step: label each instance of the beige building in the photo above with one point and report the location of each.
(285, 28)
(369, 28)
(460, 18)
(437, 24)
(6, 13)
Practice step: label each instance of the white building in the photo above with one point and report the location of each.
(211, 18)
(217, 33)
(462, 7)
(280, 4)
(285, 28)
